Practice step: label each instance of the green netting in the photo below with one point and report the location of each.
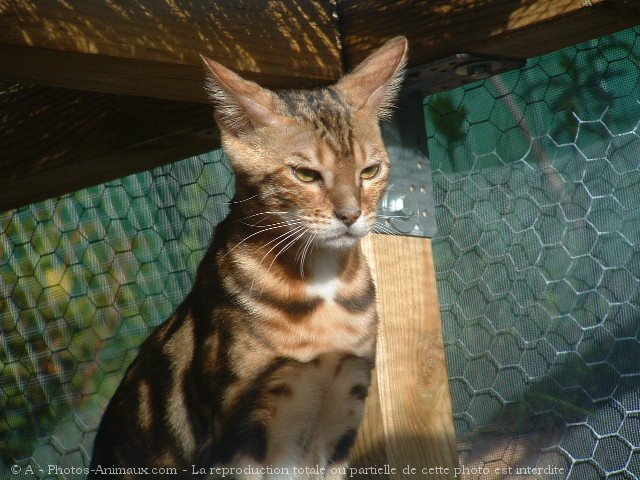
(537, 184)
(83, 280)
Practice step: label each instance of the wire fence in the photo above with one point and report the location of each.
(537, 185)
(83, 280)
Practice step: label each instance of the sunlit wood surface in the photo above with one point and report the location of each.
(408, 419)
(509, 28)
(152, 47)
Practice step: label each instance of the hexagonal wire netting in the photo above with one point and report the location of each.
(537, 189)
(537, 186)
(83, 280)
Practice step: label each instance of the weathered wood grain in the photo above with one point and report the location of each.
(152, 48)
(54, 141)
(409, 412)
(509, 28)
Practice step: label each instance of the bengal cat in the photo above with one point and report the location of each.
(265, 367)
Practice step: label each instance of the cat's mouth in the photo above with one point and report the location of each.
(337, 234)
(345, 239)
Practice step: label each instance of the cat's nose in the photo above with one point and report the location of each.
(348, 215)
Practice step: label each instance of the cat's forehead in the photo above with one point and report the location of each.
(326, 112)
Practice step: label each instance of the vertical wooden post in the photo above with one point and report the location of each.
(408, 422)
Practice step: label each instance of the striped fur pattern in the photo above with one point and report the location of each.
(267, 362)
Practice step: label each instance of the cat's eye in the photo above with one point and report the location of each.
(306, 174)
(370, 172)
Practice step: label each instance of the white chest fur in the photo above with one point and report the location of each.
(323, 277)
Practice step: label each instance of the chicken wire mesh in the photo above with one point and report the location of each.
(537, 191)
(83, 280)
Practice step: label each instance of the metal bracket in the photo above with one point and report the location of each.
(408, 207)
(457, 70)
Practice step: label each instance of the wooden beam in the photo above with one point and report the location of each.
(408, 419)
(54, 141)
(510, 28)
(151, 48)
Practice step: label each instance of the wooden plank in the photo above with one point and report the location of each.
(511, 28)
(152, 48)
(55, 140)
(371, 449)
(409, 412)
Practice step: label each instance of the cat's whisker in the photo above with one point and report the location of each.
(392, 216)
(381, 228)
(260, 224)
(249, 236)
(300, 253)
(286, 247)
(264, 214)
(384, 224)
(233, 202)
(387, 232)
(397, 189)
(244, 199)
(286, 222)
(286, 236)
(301, 248)
(295, 226)
(305, 249)
(280, 236)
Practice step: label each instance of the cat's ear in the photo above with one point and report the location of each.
(374, 84)
(241, 105)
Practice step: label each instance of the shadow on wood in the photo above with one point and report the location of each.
(408, 420)
(508, 28)
(151, 48)
(56, 140)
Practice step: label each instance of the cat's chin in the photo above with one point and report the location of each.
(341, 242)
